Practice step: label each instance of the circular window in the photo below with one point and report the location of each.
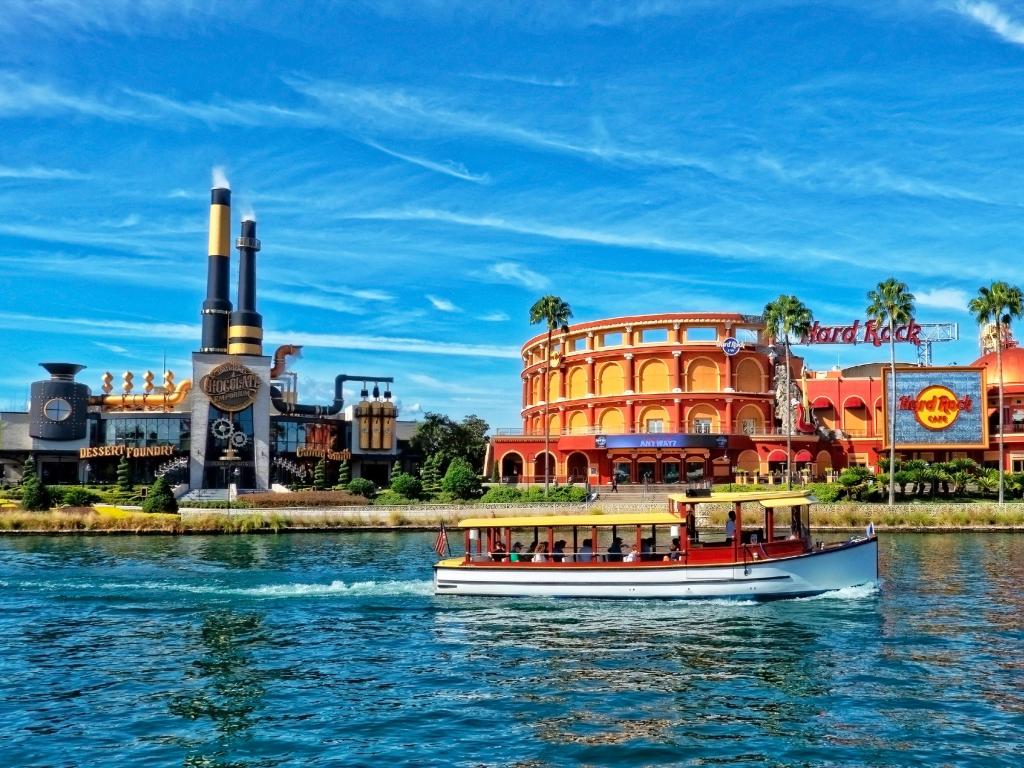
(57, 409)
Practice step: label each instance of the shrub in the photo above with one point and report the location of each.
(124, 476)
(460, 480)
(300, 499)
(77, 497)
(344, 474)
(501, 494)
(34, 495)
(827, 493)
(362, 487)
(160, 498)
(406, 485)
(320, 475)
(390, 497)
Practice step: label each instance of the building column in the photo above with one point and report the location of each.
(526, 391)
(562, 370)
(677, 359)
(627, 336)
(630, 416)
(629, 374)
(590, 416)
(590, 376)
(561, 419)
(677, 416)
(590, 341)
(673, 334)
(728, 416)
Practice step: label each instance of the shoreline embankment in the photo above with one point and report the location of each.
(934, 517)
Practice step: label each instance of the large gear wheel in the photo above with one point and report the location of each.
(239, 439)
(222, 429)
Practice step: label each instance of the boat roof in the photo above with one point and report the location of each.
(542, 521)
(769, 499)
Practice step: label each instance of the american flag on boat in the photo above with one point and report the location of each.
(441, 545)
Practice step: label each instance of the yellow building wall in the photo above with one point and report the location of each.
(702, 375)
(611, 421)
(576, 384)
(609, 381)
(554, 384)
(653, 376)
(748, 377)
(577, 424)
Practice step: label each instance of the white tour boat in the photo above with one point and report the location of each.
(659, 554)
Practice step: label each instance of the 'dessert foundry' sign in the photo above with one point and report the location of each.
(230, 386)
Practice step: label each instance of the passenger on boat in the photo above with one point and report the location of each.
(633, 555)
(730, 527)
(498, 553)
(530, 551)
(673, 551)
(516, 555)
(586, 553)
(558, 553)
(615, 551)
(647, 552)
(540, 555)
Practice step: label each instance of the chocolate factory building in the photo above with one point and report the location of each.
(236, 422)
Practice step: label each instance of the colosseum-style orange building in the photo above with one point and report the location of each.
(668, 397)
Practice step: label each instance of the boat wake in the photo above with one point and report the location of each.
(859, 592)
(265, 591)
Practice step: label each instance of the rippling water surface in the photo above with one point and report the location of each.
(299, 650)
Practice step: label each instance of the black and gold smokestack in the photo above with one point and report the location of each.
(217, 307)
(245, 334)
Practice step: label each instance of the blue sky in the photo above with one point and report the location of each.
(423, 170)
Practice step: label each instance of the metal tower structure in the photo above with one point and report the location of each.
(931, 333)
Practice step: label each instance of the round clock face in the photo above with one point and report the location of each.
(57, 409)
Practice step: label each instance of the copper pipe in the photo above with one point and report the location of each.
(280, 365)
(160, 400)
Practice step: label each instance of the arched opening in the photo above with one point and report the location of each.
(576, 384)
(748, 462)
(702, 419)
(653, 419)
(824, 463)
(577, 468)
(538, 389)
(749, 377)
(577, 424)
(537, 426)
(554, 385)
(539, 470)
(611, 421)
(553, 428)
(750, 420)
(880, 426)
(511, 468)
(855, 417)
(609, 380)
(702, 375)
(653, 376)
(825, 411)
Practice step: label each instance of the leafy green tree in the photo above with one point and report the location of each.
(441, 436)
(785, 317)
(890, 304)
(430, 474)
(124, 475)
(360, 486)
(461, 481)
(160, 498)
(999, 303)
(555, 313)
(857, 481)
(406, 485)
(344, 473)
(320, 475)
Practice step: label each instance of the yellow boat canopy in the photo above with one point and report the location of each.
(789, 501)
(764, 498)
(583, 521)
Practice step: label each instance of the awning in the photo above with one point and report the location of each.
(777, 455)
(821, 402)
(854, 402)
(786, 501)
(804, 455)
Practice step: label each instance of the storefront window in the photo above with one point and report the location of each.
(670, 473)
(622, 471)
(145, 432)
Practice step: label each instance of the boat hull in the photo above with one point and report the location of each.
(850, 564)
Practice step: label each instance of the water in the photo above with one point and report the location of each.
(303, 650)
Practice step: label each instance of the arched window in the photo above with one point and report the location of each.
(653, 419)
(609, 380)
(611, 421)
(749, 377)
(702, 375)
(653, 376)
(577, 424)
(577, 382)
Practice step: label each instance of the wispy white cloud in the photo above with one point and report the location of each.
(449, 168)
(39, 173)
(124, 329)
(449, 387)
(545, 82)
(942, 298)
(115, 348)
(494, 317)
(995, 18)
(444, 305)
(510, 272)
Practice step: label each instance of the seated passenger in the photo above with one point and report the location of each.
(540, 555)
(558, 553)
(516, 555)
(615, 551)
(498, 553)
(586, 553)
(730, 527)
(673, 551)
(633, 556)
(647, 552)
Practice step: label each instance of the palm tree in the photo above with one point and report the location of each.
(1000, 303)
(892, 304)
(784, 317)
(555, 313)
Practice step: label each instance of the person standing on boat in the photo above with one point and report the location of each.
(730, 527)
(586, 553)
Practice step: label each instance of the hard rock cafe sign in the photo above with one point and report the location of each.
(868, 332)
(936, 407)
(230, 386)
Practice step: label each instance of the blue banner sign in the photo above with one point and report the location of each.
(661, 440)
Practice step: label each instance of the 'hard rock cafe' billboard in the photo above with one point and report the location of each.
(937, 408)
